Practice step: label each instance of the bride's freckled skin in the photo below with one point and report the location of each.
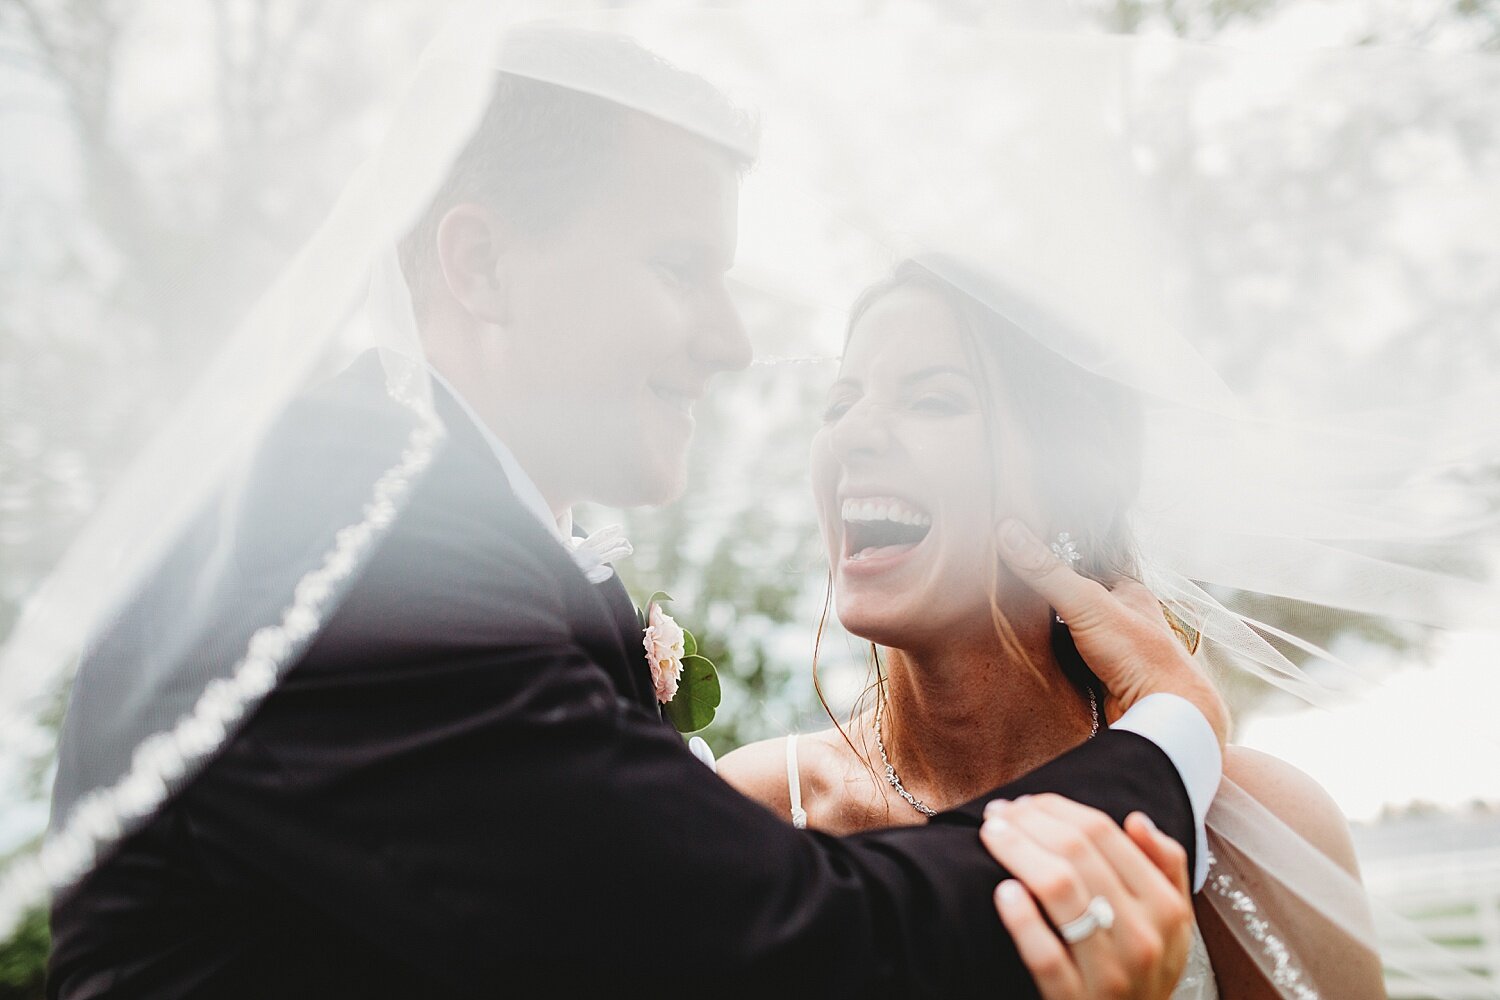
(905, 421)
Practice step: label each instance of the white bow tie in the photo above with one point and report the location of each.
(593, 553)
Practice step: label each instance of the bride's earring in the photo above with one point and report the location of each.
(1066, 551)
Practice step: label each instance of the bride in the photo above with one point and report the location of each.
(946, 428)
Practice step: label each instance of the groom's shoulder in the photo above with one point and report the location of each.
(350, 418)
(320, 466)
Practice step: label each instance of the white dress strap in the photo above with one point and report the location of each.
(794, 784)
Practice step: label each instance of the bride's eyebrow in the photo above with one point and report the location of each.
(925, 373)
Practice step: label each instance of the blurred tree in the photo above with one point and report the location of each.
(139, 216)
(1472, 25)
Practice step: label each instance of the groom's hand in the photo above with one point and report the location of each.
(1063, 856)
(1120, 631)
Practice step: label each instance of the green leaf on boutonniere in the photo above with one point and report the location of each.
(643, 612)
(689, 644)
(697, 695)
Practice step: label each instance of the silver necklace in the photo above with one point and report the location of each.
(918, 804)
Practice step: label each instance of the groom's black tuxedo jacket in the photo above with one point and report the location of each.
(464, 787)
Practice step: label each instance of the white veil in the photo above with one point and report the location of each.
(1212, 230)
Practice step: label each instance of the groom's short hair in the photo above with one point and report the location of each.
(540, 144)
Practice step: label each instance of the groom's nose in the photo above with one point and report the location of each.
(722, 343)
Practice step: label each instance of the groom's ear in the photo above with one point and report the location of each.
(472, 252)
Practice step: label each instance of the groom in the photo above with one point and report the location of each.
(465, 787)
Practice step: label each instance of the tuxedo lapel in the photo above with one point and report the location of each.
(632, 652)
(597, 628)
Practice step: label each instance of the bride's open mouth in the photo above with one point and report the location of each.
(880, 528)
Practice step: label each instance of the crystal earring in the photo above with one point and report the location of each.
(1066, 551)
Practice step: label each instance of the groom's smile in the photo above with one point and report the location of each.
(679, 400)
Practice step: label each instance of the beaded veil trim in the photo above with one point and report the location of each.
(101, 818)
(1286, 973)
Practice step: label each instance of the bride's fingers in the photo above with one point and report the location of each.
(1048, 959)
(1152, 866)
(1064, 874)
(1165, 853)
(1073, 834)
(1079, 600)
(1149, 875)
(1148, 938)
(1054, 882)
(1174, 909)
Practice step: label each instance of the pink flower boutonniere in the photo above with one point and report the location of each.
(665, 648)
(686, 682)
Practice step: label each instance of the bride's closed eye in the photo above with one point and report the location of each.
(836, 408)
(941, 403)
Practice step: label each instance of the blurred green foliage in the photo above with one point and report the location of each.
(23, 960)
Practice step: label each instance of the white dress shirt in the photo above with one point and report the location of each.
(520, 483)
(1184, 735)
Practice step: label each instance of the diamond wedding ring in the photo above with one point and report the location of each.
(1098, 914)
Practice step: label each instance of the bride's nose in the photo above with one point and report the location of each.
(862, 430)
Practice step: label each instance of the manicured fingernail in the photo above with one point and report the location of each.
(1013, 536)
(1147, 820)
(994, 826)
(995, 808)
(1010, 892)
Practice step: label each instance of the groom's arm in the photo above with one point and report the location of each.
(482, 802)
(1175, 728)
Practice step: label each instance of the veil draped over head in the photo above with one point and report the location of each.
(1288, 259)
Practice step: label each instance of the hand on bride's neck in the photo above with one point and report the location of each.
(966, 716)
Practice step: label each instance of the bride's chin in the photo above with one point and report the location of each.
(882, 627)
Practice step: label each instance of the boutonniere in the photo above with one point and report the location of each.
(687, 685)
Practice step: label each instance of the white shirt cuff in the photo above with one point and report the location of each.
(1187, 739)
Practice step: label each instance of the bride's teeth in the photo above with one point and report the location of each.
(884, 510)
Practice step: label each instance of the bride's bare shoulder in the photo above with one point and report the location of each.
(759, 770)
(1296, 799)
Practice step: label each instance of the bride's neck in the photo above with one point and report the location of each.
(964, 718)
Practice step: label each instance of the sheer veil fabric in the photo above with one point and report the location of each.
(1200, 226)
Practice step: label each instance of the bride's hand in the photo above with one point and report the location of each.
(1120, 631)
(1063, 855)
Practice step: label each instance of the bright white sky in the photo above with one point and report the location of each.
(1427, 734)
